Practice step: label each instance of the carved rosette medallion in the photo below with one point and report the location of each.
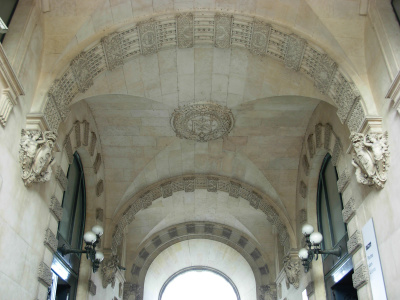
(202, 122)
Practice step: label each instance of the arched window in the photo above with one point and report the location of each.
(70, 233)
(337, 270)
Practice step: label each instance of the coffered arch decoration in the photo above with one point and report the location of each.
(187, 30)
(169, 236)
(211, 183)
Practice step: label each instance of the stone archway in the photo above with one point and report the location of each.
(187, 30)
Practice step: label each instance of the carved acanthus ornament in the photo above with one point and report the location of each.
(292, 270)
(371, 158)
(108, 269)
(36, 155)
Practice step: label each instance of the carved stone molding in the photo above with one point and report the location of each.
(36, 155)
(92, 145)
(77, 129)
(302, 216)
(337, 149)
(354, 243)
(343, 181)
(131, 289)
(202, 122)
(292, 270)
(311, 145)
(360, 276)
(92, 288)
(371, 158)
(327, 136)
(189, 183)
(61, 178)
(185, 30)
(306, 165)
(85, 133)
(50, 240)
(97, 163)
(349, 210)
(12, 88)
(56, 208)
(109, 268)
(99, 214)
(68, 149)
(44, 274)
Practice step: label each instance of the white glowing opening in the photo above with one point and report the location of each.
(199, 285)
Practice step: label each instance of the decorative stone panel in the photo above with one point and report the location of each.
(226, 232)
(166, 190)
(306, 165)
(7, 102)
(99, 187)
(99, 214)
(185, 30)
(310, 288)
(173, 232)
(44, 274)
(324, 73)
(68, 149)
(360, 276)
(85, 133)
(82, 73)
(50, 240)
(311, 146)
(93, 142)
(327, 136)
(61, 178)
(318, 135)
(264, 270)
(209, 228)
(356, 117)
(242, 242)
(354, 243)
(343, 181)
(97, 163)
(303, 189)
(234, 190)
(190, 228)
(295, 48)
(56, 208)
(92, 288)
(349, 210)
(112, 46)
(156, 241)
(148, 37)
(77, 128)
(302, 216)
(260, 38)
(255, 254)
(222, 29)
(336, 152)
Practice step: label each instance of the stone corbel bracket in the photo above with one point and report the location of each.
(12, 89)
(370, 150)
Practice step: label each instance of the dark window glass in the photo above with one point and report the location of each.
(7, 8)
(330, 220)
(396, 8)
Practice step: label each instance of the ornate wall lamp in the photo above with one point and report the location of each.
(313, 240)
(92, 238)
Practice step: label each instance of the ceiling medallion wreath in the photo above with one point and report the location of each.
(202, 122)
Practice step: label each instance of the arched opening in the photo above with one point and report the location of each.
(199, 283)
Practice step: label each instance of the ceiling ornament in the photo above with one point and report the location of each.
(202, 122)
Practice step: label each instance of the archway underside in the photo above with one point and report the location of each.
(187, 30)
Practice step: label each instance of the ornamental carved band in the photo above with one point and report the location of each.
(371, 158)
(36, 155)
(202, 122)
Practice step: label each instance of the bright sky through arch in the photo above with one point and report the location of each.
(199, 285)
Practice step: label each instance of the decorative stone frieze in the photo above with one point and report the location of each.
(295, 47)
(50, 240)
(337, 149)
(99, 214)
(371, 158)
(36, 155)
(56, 208)
(99, 187)
(202, 122)
(185, 30)
(190, 183)
(292, 270)
(360, 276)
(61, 178)
(354, 243)
(349, 210)
(77, 129)
(343, 180)
(310, 288)
(109, 268)
(44, 274)
(303, 189)
(97, 163)
(92, 288)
